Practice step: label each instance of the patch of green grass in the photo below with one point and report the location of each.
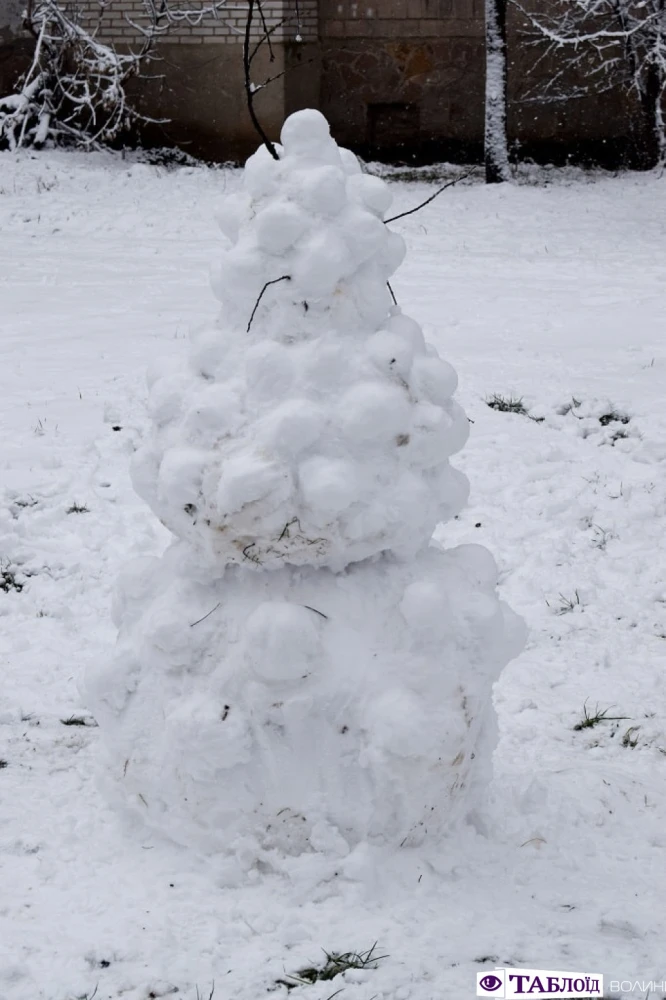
(567, 604)
(590, 721)
(506, 404)
(335, 964)
(630, 738)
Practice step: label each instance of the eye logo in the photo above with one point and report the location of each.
(491, 984)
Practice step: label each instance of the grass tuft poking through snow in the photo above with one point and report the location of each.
(630, 738)
(208, 996)
(335, 964)
(590, 721)
(567, 604)
(506, 404)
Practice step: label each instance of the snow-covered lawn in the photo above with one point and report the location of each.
(550, 294)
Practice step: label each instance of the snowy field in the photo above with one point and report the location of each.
(551, 294)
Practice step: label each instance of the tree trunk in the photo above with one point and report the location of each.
(495, 144)
(651, 101)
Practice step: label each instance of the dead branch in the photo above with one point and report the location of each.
(432, 197)
(285, 277)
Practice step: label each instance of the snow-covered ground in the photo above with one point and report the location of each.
(550, 293)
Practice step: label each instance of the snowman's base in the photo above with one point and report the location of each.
(301, 710)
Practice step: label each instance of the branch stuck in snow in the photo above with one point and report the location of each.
(285, 277)
(432, 197)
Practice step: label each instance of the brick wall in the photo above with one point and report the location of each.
(226, 26)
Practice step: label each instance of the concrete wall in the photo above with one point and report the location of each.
(14, 50)
(415, 68)
(203, 94)
(10, 18)
(416, 71)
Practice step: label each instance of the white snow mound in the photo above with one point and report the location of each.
(271, 705)
(304, 670)
(321, 435)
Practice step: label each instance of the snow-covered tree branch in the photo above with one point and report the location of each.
(76, 88)
(603, 45)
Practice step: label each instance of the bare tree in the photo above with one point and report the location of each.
(75, 90)
(495, 137)
(601, 45)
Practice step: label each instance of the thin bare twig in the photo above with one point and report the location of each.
(249, 90)
(432, 197)
(285, 277)
(321, 613)
(199, 620)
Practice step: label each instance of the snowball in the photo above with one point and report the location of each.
(326, 366)
(433, 380)
(269, 371)
(181, 474)
(212, 737)
(371, 192)
(246, 478)
(209, 350)
(397, 723)
(293, 426)
(349, 161)
(408, 328)
(364, 234)
(459, 423)
(328, 485)
(279, 225)
(166, 398)
(374, 412)
(477, 563)
(321, 190)
(262, 174)
(281, 642)
(391, 353)
(452, 487)
(424, 606)
(230, 214)
(319, 266)
(215, 411)
(305, 132)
